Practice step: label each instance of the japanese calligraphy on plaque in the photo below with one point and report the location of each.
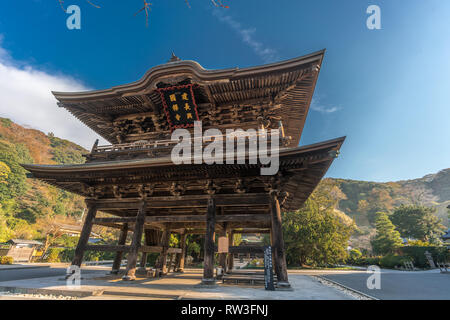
(179, 106)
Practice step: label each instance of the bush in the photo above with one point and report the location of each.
(354, 255)
(367, 261)
(6, 260)
(53, 255)
(391, 261)
(417, 254)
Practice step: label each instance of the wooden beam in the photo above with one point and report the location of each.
(107, 247)
(202, 218)
(246, 249)
(249, 199)
(114, 220)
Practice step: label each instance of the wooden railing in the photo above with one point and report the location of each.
(166, 143)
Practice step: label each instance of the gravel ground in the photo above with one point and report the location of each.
(351, 293)
(6, 295)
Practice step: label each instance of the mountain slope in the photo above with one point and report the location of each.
(24, 201)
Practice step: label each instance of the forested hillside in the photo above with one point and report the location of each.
(25, 204)
(361, 200)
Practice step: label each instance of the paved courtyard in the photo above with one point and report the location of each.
(97, 284)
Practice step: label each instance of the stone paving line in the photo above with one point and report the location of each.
(179, 286)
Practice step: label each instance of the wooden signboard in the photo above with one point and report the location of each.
(223, 245)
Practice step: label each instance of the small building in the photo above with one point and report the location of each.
(20, 250)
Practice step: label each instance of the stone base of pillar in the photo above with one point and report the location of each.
(284, 286)
(208, 282)
(128, 278)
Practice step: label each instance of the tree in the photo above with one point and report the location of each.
(417, 222)
(51, 229)
(314, 235)
(147, 7)
(4, 172)
(387, 239)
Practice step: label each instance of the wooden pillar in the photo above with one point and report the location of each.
(230, 255)
(278, 242)
(119, 254)
(208, 262)
(85, 234)
(223, 256)
(135, 244)
(182, 255)
(162, 260)
(142, 264)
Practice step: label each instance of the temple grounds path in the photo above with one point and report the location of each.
(97, 284)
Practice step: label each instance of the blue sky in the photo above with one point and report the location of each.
(387, 90)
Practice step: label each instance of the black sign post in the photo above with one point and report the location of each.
(268, 269)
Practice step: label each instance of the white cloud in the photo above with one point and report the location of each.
(26, 99)
(319, 107)
(247, 36)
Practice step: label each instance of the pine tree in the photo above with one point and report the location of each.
(387, 239)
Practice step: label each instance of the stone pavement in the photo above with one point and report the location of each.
(174, 286)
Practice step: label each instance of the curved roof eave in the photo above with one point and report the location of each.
(190, 67)
(165, 161)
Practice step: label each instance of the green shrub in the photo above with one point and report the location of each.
(53, 255)
(354, 255)
(6, 260)
(367, 261)
(442, 255)
(391, 261)
(417, 254)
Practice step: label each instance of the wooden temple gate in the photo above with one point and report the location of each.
(138, 188)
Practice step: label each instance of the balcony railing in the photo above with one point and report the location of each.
(162, 147)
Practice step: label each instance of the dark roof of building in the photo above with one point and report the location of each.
(22, 241)
(285, 87)
(446, 236)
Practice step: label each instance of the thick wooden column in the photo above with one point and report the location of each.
(135, 244)
(142, 269)
(85, 234)
(182, 255)
(162, 260)
(208, 262)
(119, 254)
(223, 256)
(230, 255)
(278, 242)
